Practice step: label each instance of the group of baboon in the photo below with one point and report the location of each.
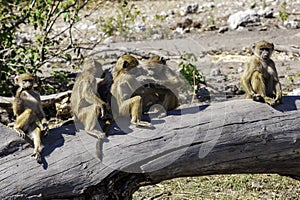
(98, 101)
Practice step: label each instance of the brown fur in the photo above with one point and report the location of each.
(122, 89)
(260, 79)
(30, 117)
(164, 84)
(86, 104)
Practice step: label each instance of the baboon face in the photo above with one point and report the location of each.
(157, 60)
(25, 81)
(126, 62)
(263, 49)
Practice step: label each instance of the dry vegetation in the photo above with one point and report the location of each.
(256, 186)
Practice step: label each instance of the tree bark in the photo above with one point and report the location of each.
(231, 137)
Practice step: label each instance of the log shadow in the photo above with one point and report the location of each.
(54, 140)
(55, 137)
(289, 104)
(189, 110)
(122, 126)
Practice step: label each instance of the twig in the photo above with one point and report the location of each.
(194, 86)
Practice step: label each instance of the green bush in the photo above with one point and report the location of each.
(19, 55)
(190, 73)
(121, 22)
(283, 12)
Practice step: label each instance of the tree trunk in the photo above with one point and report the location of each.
(231, 137)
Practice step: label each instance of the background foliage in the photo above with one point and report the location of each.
(17, 53)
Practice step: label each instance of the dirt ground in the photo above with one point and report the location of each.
(225, 53)
(220, 56)
(159, 29)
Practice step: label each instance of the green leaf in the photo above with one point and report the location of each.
(54, 68)
(68, 56)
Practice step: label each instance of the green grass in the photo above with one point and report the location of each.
(248, 186)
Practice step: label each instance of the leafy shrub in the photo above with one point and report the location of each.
(18, 54)
(190, 73)
(121, 22)
(283, 12)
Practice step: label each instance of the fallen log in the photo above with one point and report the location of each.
(231, 137)
(47, 100)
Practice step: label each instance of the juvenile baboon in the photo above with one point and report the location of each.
(30, 117)
(260, 80)
(163, 84)
(123, 86)
(86, 104)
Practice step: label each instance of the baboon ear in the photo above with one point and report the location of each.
(16, 80)
(252, 47)
(36, 81)
(97, 64)
(98, 67)
(163, 60)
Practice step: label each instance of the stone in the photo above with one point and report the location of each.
(242, 18)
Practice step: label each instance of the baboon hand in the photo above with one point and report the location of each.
(256, 97)
(102, 110)
(20, 133)
(270, 101)
(45, 129)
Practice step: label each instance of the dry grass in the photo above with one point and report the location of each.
(248, 186)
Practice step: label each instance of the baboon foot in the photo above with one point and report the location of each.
(37, 156)
(20, 133)
(257, 97)
(143, 124)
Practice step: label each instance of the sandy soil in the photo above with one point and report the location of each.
(224, 52)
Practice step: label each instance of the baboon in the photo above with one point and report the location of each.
(123, 86)
(86, 104)
(30, 117)
(163, 84)
(260, 80)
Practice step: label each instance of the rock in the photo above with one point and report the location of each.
(179, 31)
(240, 70)
(108, 40)
(242, 18)
(187, 23)
(232, 90)
(266, 12)
(156, 36)
(21, 40)
(291, 24)
(223, 29)
(203, 94)
(210, 28)
(209, 5)
(186, 26)
(295, 92)
(190, 9)
(215, 72)
(140, 28)
(256, 185)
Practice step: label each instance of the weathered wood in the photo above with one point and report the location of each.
(239, 136)
(46, 99)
